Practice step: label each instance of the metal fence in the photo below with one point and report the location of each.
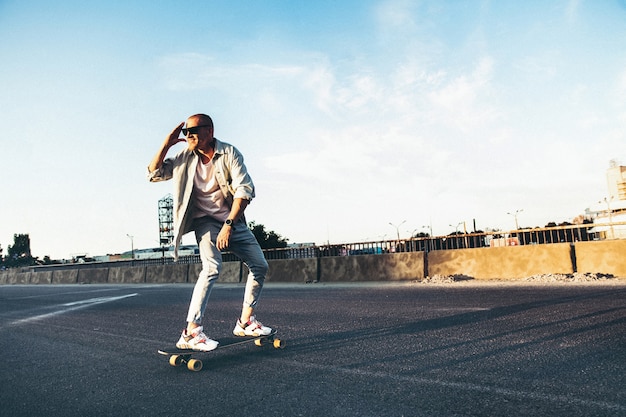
(537, 236)
(522, 237)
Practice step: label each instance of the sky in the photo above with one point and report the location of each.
(358, 119)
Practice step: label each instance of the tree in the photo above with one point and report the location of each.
(19, 254)
(267, 239)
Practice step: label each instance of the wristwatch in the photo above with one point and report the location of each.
(228, 222)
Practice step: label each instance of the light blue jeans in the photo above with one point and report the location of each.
(244, 245)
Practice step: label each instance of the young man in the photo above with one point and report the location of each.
(211, 191)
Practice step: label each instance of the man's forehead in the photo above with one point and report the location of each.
(193, 120)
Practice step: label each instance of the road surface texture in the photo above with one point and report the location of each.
(406, 349)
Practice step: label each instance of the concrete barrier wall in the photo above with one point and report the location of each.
(43, 277)
(68, 276)
(231, 272)
(292, 270)
(608, 257)
(17, 278)
(505, 262)
(387, 267)
(93, 276)
(167, 274)
(131, 275)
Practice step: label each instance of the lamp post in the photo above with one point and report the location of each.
(456, 228)
(398, 228)
(132, 246)
(610, 213)
(515, 216)
(430, 236)
(458, 242)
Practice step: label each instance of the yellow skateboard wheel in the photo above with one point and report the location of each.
(194, 365)
(176, 360)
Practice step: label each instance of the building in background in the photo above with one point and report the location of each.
(609, 214)
(616, 181)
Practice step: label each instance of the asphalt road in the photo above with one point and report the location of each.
(352, 350)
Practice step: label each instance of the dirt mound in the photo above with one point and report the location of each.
(575, 277)
(444, 279)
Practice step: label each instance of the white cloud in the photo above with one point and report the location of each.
(571, 10)
(538, 67)
(465, 101)
(395, 14)
(320, 81)
(194, 71)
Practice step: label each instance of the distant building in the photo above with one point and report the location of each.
(616, 181)
(612, 209)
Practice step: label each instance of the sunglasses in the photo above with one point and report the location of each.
(192, 130)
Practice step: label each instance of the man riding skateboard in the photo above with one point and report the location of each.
(212, 188)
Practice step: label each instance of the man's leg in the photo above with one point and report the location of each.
(245, 246)
(206, 230)
(193, 336)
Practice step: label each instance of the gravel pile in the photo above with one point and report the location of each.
(575, 277)
(445, 279)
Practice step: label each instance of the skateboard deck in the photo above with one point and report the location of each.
(178, 357)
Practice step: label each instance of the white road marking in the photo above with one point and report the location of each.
(73, 306)
(59, 293)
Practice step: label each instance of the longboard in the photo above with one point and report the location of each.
(178, 357)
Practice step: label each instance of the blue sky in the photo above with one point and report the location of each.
(351, 114)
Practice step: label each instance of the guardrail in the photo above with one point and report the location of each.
(535, 236)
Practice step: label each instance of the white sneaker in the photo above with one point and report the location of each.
(251, 328)
(197, 340)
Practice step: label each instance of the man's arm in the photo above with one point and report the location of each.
(171, 140)
(223, 238)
